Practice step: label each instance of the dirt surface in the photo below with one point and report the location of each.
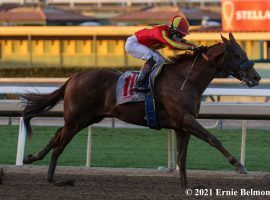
(29, 183)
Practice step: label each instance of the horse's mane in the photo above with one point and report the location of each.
(179, 58)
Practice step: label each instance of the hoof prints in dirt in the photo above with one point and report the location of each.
(114, 187)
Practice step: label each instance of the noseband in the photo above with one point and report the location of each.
(246, 65)
(238, 69)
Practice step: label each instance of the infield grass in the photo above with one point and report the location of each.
(140, 148)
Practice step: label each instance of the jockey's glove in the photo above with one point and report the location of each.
(191, 48)
(200, 49)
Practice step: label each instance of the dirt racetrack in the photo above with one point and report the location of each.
(28, 183)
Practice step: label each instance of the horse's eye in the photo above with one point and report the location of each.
(237, 56)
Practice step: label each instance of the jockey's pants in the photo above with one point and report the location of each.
(137, 50)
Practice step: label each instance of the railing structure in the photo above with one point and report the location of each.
(97, 46)
(101, 2)
(209, 110)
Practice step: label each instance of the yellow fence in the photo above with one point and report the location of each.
(95, 46)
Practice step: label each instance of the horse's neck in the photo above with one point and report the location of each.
(200, 77)
(205, 71)
(203, 74)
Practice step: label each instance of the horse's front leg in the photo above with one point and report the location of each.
(182, 140)
(194, 128)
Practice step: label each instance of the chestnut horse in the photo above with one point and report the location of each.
(89, 97)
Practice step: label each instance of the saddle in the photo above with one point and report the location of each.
(126, 82)
(126, 94)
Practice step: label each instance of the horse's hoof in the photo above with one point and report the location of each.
(27, 159)
(65, 183)
(199, 187)
(183, 186)
(1, 176)
(241, 169)
(170, 170)
(51, 180)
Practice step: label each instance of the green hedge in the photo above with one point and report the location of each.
(49, 71)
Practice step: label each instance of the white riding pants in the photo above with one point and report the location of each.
(137, 50)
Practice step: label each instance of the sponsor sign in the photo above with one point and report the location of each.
(246, 15)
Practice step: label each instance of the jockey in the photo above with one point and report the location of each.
(144, 43)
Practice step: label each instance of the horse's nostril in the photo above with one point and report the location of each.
(256, 78)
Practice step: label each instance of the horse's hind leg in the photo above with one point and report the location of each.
(40, 155)
(65, 137)
(197, 130)
(67, 133)
(182, 139)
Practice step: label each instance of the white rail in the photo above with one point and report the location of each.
(236, 92)
(210, 110)
(217, 91)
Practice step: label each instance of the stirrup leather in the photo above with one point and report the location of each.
(141, 85)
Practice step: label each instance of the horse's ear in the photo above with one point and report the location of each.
(232, 39)
(225, 40)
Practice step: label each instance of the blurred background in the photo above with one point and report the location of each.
(55, 38)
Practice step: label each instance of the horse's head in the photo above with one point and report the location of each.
(236, 63)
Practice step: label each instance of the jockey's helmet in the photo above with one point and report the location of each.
(180, 24)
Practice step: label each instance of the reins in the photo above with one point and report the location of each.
(205, 57)
(190, 69)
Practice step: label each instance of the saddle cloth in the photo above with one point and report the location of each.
(125, 84)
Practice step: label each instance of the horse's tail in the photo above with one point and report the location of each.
(36, 104)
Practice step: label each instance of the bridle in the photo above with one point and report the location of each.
(205, 57)
(238, 70)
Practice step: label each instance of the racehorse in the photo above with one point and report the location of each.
(90, 96)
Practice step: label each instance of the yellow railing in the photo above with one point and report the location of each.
(101, 46)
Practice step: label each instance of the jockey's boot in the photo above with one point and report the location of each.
(141, 84)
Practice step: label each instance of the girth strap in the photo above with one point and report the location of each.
(150, 111)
